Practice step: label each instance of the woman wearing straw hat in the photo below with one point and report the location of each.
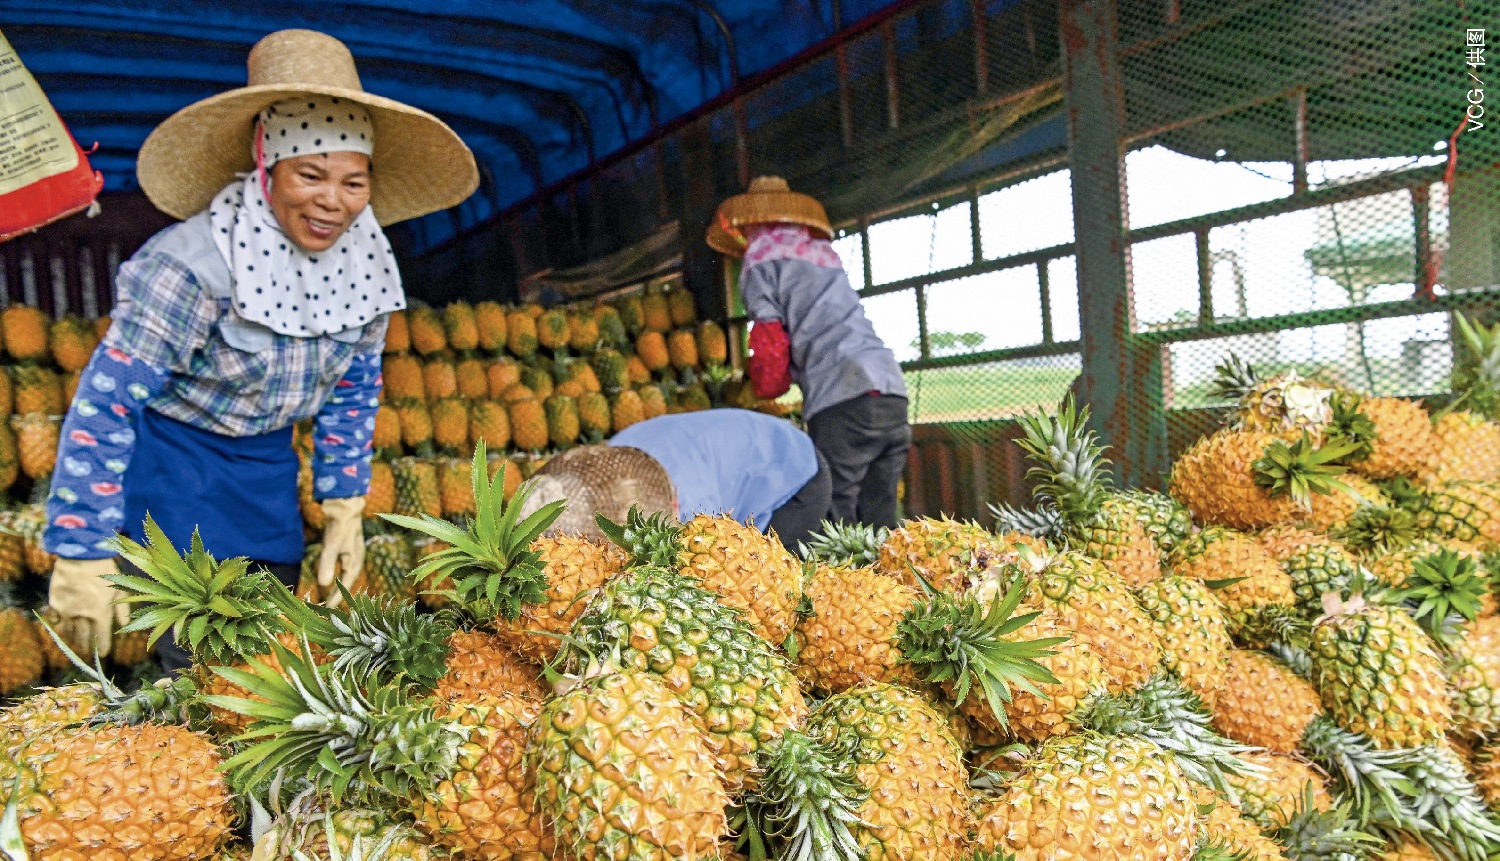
(809, 327)
(265, 306)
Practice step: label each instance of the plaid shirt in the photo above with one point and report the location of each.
(178, 349)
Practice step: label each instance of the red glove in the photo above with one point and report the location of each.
(770, 363)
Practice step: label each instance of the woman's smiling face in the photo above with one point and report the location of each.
(315, 198)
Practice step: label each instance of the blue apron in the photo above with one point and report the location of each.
(240, 493)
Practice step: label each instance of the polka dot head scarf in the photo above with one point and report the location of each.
(276, 283)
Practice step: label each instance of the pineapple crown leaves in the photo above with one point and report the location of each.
(493, 568)
(1279, 625)
(1476, 376)
(167, 701)
(382, 640)
(852, 544)
(1044, 521)
(1379, 529)
(654, 539)
(1447, 801)
(961, 640)
(1440, 585)
(1234, 378)
(1302, 469)
(316, 723)
(808, 799)
(1070, 470)
(989, 855)
(1215, 849)
(1372, 779)
(1405, 494)
(1311, 834)
(1350, 425)
(220, 611)
(1175, 719)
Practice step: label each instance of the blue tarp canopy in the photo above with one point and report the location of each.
(538, 88)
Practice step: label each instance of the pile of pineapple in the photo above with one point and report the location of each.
(1295, 655)
(528, 381)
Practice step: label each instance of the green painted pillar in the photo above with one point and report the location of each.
(1122, 375)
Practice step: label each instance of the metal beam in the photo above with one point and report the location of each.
(1122, 376)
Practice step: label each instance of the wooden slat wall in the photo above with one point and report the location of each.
(69, 267)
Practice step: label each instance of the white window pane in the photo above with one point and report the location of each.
(1062, 283)
(920, 244)
(1027, 216)
(993, 311)
(894, 317)
(850, 249)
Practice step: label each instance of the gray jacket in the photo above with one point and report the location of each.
(836, 355)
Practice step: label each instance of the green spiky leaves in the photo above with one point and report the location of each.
(1350, 425)
(1044, 521)
(1378, 529)
(1234, 379)
(1070, 471)
(1302, 469)
(808, 799)
(493, 568)
(1323, 835)
(168, 701)
(959, 641)
(222, 612)
(655, 540)
(1476, 373)
(1441, 585)
(381, 640)
(854, 545)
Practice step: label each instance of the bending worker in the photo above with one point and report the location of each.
(267, 305)
(758, 469)
(810, 328)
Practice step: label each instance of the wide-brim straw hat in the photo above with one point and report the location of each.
(768, 200)
(419, 165)
(600, 479)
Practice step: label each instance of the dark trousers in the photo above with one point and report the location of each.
(801, 516)
(173, 657)
(865, 440)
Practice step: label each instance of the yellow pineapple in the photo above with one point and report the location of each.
(439, 379)
(651, 347)
(427, 333)
(1218, 555)
(521, 334)
(627, 409)
(500, 375)
(73, 342)
(1468, 447)
(574, 568)
(25, 333)
(397, 334)
(1404, 444)
(1216, 480)
(636, 371)
(456, 486)
(403, 377)
(491, 321)
(472, 379)
(847, 642)
(583, 330)
(450, 425)
(37, 438)
(1261, 702)
(1193, 632)
(417, 491)
(682, 349)
(416, 425)
(381, 497)
(946, 553)
(38, 390)
(460, 326)
(1271, 795)
(653, 403)
(552, 330)
(528, 425)
(480, 663)
(21, 658)
(594, 419)
(1331, 512)
(562, 420)
(489, 423)
(681, 308)
(713, 347)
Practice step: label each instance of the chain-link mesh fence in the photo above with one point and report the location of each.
(1309, 185)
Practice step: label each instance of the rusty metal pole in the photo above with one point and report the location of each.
(1122, 377)
(846, 101)
(981, 47)
(892, 76)
(1299, 141)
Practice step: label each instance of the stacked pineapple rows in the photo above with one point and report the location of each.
(1296, 662)
(526, 382)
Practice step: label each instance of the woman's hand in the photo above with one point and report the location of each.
(343, 545)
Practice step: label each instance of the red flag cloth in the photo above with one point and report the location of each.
(770, 363)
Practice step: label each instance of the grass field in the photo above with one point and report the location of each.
(986, 391)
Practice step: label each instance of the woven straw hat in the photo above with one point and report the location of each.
(769, 199)
(419, 165)
(600, 479)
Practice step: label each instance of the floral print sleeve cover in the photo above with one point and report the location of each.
(343, 439)
(86, 507)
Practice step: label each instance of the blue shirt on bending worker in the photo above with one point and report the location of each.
(757, 468)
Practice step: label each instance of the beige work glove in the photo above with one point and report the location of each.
(84, 602)
(343, 545)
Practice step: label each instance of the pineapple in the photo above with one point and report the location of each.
(397, 333)
(427, 333)
(713, 346)
(1164, 519)
(403, 378)
(501, 374)
(7, 395)
(416, 425)
(912, 766)
(1261, 702)
(456, 487)
(1071, 479)
(490, 318)
(473, 379)
(651, 347)
(1227, 829)
(21, 658)
(1086, 796)
(627, 409)
(489, 423)
(1473, 669)
(450, 425)
(12, 550)
(46, 711)
(10, 458)
(528, 425)
(1466, 511)
(1319, 567)
(439, 379)
(37, 438)
(611, 328)
(653, 403)
(611, 369)
(1270, 795)
(1249, 479)
(1331, 513)
(654, 311)
(460, 326)
(388, 559)
(844, 643)
(417, 489)
(387, 433)
(750, 571)
(30, 522)
(594, 419)
(119, 791)
(681, 308)
(552, 331)
(1378, 674)
(25, 333)
(631, 313)
(1468, 447)
(562, 420)
(621, 743)
(38, 390)
(539, 380)
(682, 349)
(1193, 631)
(574, 567)
(340, 835)
(1047, 709)
(480, 663)
(947, 554)
(1404, 444)
(636, 370)
(1285, 540)
(1249, 577)
(737, 685)
(520, 334)
(583, 330)
(73, 342)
